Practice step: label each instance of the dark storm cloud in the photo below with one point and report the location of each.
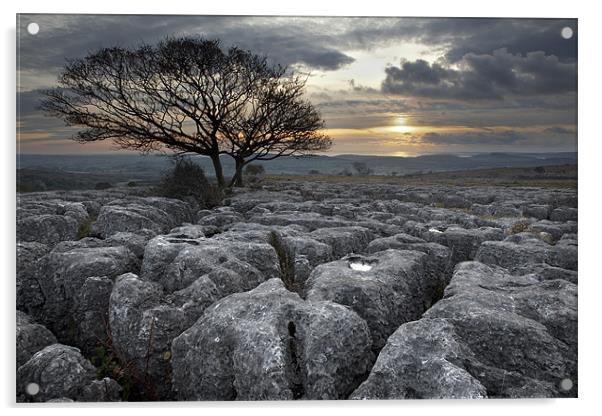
(316, 42)
(73, 36)
(476, 138)
(483, 36)
(28, 102)
(492, 76)
(456, 37)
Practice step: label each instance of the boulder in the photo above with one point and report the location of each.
(269, 344)
(142, 328)
(50, 221)
(91, 313)
(439, 265)
(31, 337)
(464, 243)
(135, 242)
(73, 306)
(564, 214)
(158, 215)
(220, 219)
(315, 251)
(27, 288)
(147, 313)
(519, 250)
(386, 289)
(344, 240)
(61, 372)
(532, 326)
(47, 228)
(543, 271)
(422, 360)
(492, 335)
(176, 261)
(397, 241)
(555, 229)
(496, 210)
(311, 220)
(541, 212)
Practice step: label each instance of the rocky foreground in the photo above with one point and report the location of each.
(298, 291)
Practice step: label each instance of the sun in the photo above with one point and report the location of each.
(401, 125)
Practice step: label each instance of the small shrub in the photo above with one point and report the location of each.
(107, 365)
(102, 185)
(539, 169)
(314, 172)
(254, 170)
(255, 174)
(85, 228)
(518, 227)
(187, 181)
(362, 168)
(132, 184)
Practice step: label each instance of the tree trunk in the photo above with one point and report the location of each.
(237, 179)
(219, 172)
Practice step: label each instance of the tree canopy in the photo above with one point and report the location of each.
(188, 95)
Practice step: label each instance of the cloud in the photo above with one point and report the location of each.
(474, 138)
(318, 43)
(559, 130)
(477, 73)
(287, 42)
(518, 36)
(483, 77)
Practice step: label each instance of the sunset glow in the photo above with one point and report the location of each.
(390, 86)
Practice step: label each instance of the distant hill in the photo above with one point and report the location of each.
(36, 172)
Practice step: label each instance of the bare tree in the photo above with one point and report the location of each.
(276, 121)
(183, 94)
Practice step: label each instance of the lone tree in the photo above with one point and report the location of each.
(187, 95)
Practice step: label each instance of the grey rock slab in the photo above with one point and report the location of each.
(142, 328)
(176, 261)
(31, 337)
(386, 289)
(422, 360)
(269, 344)
(464, 243)
(515, 252)
(67, 296)
(61, 372)
(492, 335)
(344, 240)
(543, 271)
(158, 215)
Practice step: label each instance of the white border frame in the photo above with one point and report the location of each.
(589, 195)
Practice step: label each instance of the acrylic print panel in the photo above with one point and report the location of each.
(287, 208)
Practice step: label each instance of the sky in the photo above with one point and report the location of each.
(384, 86)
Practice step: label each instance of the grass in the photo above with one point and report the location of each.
(107, 365)
(85, 228)
(519, 227)
(564, 176)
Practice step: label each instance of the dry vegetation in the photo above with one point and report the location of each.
(564, 176)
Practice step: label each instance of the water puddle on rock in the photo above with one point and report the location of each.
(360, 266)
